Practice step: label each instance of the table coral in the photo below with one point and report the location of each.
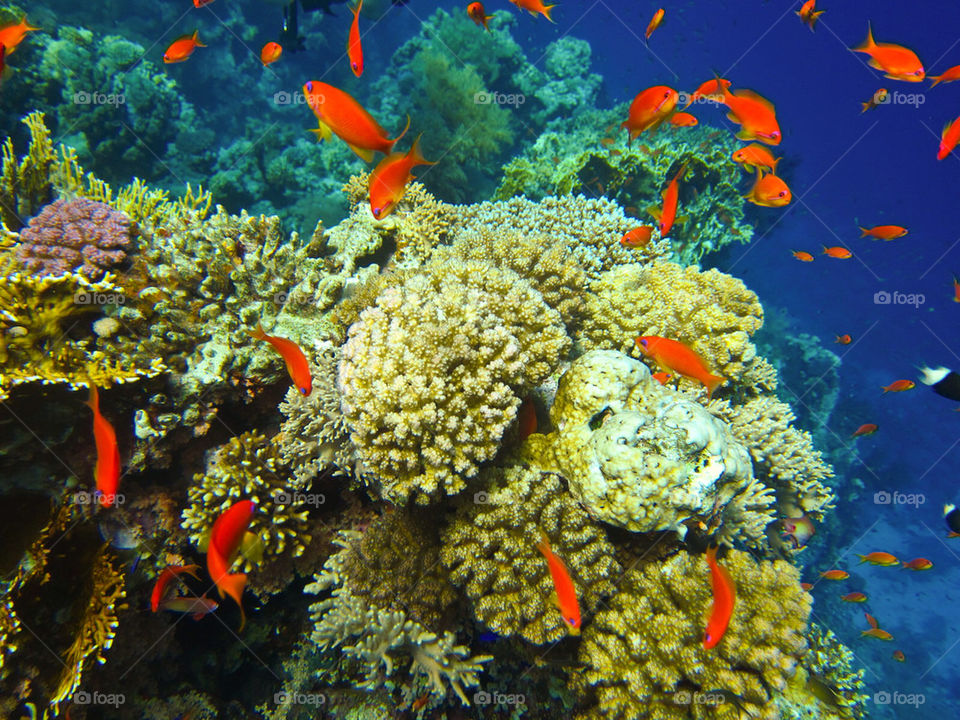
(490, 548)
(432, 374)
(642, 456)
(643, 653)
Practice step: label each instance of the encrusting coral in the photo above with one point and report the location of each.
(490, 548)
(643, 652)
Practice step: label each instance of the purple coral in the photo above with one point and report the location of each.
(80, 235)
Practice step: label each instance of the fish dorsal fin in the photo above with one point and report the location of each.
(751, 95)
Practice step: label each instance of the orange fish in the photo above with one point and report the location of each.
(956, 289)
(339, 114)
(711, 89)
(661, 377)
(835, 575)
(479, 15)
(898, 62)
(755, 156)
(649, 109)
(682, 119)
(856, 597)
(878, 98)
(841, 253)
(163, 581)
(948, 75)
(225, 537)
(806, 586)
(884, 232)
(769, 191)
(107, 472)
(871, 620)
(527, 418)
(675, 356)
(809, 14)
(535, 7)
(918, 564)
(802, 256)
(638, 237)
(667, 214)
(843, 339)
(354, 49)
(270, 53)
(654, 22)
(877, 633)
(201, 3)
(388, 181)
(564, 589)
(900, 386)
(196, 607)
(182, 48)
(865, 429)
(899, 656)
(949, 138)
(754, 114)
(799, 529)
(879, 558)
(297, 365)
(724, 599)
(12, 34)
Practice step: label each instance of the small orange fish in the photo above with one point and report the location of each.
(724, 599)
(388, 181)
(843, 340)
(949, 138)
(898, 62)
(673, 355)
(638, 237)
(666, 215)
(806, 586)
(195, 607)
(527, 418)
(841, 253)
(884, 232)
(535, 7)
(802, 256)
(479, 15)
(755, 156)
(12, 34)
(865, 429)
(182, 48)
(809, 14)
(297, 366)
(225, 537)
(769, 191)
(835, 575)
(354, 48)
(948, 75)
(754, 114)
(877, 633)
(165, 578)
(956, 289)
(878, 98)
(564, 589)
(879, 558)
(683, 119)
(107, 472)
(654, 22)
(711, 89)
(270, 53)
(857, 597)
(201, 3)
(871, 620)
(649, 109)
(899, 656)
(900, 386)
(799, 529)
(918, 564)
(661, 377)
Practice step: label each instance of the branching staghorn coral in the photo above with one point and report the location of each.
(490, 548)
(643, 653)
(831, 664)
(25, 183)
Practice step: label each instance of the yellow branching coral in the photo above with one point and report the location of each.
(9, 627)
(491, 550)
(432, 375)
(713, 313)
(25, 184)
(643, 653)
(829, 679)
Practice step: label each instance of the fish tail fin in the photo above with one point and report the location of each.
(257, 333)
(93, 400)
(936, 79)
(863, 558)
(416, 155)
(546, 12)
(713, 382)
(864, 106)
(773, 170)
(814, 17)
(196, 38)
(356, 8)
(543, 544)
(233, 585)
(405, 128)
(27, 26)
(863, 231)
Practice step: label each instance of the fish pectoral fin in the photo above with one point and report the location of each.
(554, 600)
(655, 212)
(681, 219)
(362, 153)
(744, 135)
(322, 131)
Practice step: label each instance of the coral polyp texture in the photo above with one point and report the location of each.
(433, 373)
(491, 550)
(643, 653)
(644, 457)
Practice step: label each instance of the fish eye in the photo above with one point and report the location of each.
(643, 342)
(354, 65)
(376, 212)
(310, 86)
(782, 193)
(304, 391)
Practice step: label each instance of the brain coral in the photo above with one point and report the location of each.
(642, 456)
(79, 235)
(490, 549)
(432, 374)
(643, 653)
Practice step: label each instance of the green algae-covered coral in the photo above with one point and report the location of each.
(491, 550)
(432, 374)
(643, 655)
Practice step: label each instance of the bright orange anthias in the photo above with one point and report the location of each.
(225, 537)
(877, 633)
(478, 14)
(297, 365)
(884, 232)
(755, 156)
(898, 62)
(956, 289)
(769, 191)
(182, 48)
(835, 575)
(843, 340)
(388, 181)
(802, 255)
(354, 48)
(879, 558)
(755, 115)
(339, 114)
(650, 108)
(654, 23)
(840, 253)
(270, 53)
(878, 98)
(12, 34)
(638, 237)
(809, 13)
(918, 564)
(900, 386)
(949, 139)
(107, 471)
(162, 584)
(683, 119)
(949, 75)
(566, 592)
(676, 357)
(724, 600)
(711, 89)
(865, 429)
(535, 7)
(666, 214)
(857, 597)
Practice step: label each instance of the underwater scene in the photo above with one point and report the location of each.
(415, 359)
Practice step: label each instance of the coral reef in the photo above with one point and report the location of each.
(643, 654)
(25, 183)
(490, 548)
(562, 88)
(830, 663)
